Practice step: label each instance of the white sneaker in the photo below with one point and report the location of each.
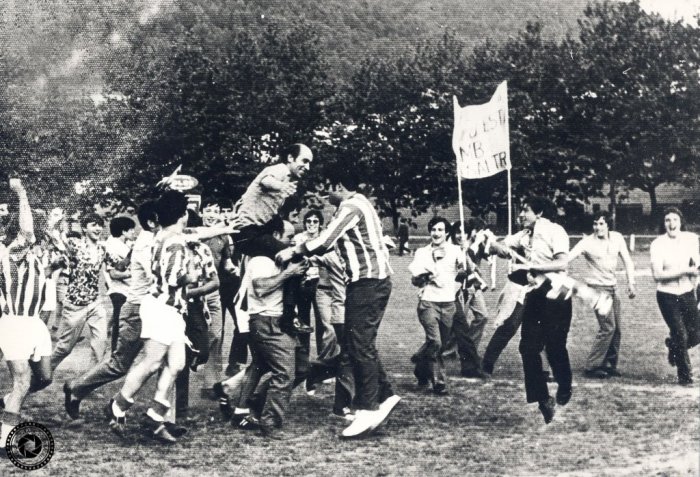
(386, 407)
(364, 422)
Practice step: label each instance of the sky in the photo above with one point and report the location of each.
(673, 9)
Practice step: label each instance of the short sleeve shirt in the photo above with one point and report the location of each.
(258, 205)
(601, 258)
(674, 255)
(443, 287)
(116, 252)
(270, 304)
(142, 277)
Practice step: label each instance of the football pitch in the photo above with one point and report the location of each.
(639, 424)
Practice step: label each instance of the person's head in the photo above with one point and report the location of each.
(92, 226)
(290, 209)
(674, 221)
(313, 220)
(148, 216)
(456, 232)
(211, 213)
(282, 230)
(438, 227)
(193, 219)
(122, 227)
(298, 158)
(172, 209)
(474, 225)
(345, 181)
(601, 224)
(531, 209)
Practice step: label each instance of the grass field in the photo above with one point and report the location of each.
(640, 424)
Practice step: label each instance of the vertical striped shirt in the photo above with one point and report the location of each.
(171, 259)
(22, 284)
(356, 233)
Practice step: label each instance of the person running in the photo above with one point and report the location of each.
(601, 251)
(163, 325)
(675, 257)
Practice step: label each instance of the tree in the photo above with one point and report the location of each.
(637, 108)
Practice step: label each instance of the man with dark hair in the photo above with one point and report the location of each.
(25, 342)
(434, 270)
(118, 248)
(356, 233)
(162, 323)
(129, 342)
(545, 319)
(86, 257)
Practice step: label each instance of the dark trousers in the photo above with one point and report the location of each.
(501, 337)
(196, 329)
(465, 335)
(120, 360)
(118, 301)
(273, 351)
(338, 367)
(545, 326)
(681, 315)
(436, 319)
(365, 302)
(238, 354)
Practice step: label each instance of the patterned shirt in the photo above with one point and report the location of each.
(85, 261)
(202, 262)
(170, 263)
(356, 232)
(22, 284)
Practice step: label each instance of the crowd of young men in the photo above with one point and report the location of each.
(171, 285)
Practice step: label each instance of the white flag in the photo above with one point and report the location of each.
(480, 139)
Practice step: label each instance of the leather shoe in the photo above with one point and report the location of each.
(597, 373)
(71, 405)
(563, 396)
(547, 408)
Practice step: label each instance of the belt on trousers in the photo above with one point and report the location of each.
(324, 287)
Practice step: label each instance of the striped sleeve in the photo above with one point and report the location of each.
(175, 265)
(347, 218)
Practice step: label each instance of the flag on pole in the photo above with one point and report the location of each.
(480, 140)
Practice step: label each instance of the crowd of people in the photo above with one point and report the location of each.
(173, 277)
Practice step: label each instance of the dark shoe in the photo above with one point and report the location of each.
(547, 408)
(175, 430)
(116, 424)
(236, 419)
(423, 383)
(3, 453)
(564, 396)
(613, 372)
(597, 373)
(475, 373)
(440, 389)
(685, 382)
(2, 403)
(249, 423)
(301, 328)
(269, 432)
(224, 403)
(71, 405)
(671, 356)
(162, 434)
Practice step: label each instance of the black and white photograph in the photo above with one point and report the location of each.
(342, 238)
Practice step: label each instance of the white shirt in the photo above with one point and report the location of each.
(669, 254)
(270, 304)
(117, 251)
(601, 257)
(443, 286)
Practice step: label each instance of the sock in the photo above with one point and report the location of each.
(241, 411)
(8, 420)
(158, 410)
(121, 404)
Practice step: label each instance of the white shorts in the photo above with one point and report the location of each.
(161, 322)
(24, 338)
